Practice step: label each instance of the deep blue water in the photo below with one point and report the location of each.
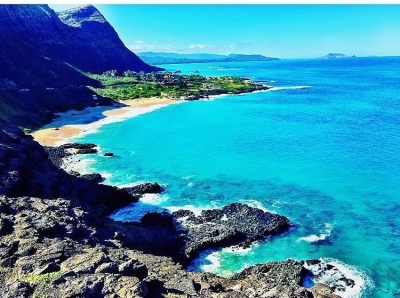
(326, 155)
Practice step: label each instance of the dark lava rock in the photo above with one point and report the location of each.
(110, 154)
(133, 268)
(111, 267)
(78, 146)
(27, 171)
(323, 291)
(144, 188)
(17, 289)
(233, 224)
(273, 279)
(56, 154)
(323, 270)
(87, 151)
(95, 177)
(163, 219)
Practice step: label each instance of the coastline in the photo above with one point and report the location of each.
(69, 125)
(54, 135)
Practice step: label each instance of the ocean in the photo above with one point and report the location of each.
(321, 147)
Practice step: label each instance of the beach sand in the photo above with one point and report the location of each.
(52, 136)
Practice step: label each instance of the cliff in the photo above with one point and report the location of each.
(43, 56)
(41, 48)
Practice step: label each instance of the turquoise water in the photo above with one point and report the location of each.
(326, 154)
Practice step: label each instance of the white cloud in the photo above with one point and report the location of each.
(141, 46)
(197, 46)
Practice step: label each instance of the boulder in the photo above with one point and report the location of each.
(143, 188)
(95, 177)
(110, 267)
(85, 262)
(163, 219)
(133, 268)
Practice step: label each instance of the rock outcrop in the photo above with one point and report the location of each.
(233, 224)
(50, 246)
(25, 170)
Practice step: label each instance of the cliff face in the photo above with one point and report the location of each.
(40, 48)
(96, 41)
(42, 55)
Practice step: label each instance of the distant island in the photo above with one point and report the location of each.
(175, 58)
(336, 56)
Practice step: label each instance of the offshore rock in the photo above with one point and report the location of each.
(233, 224)
(141, 189)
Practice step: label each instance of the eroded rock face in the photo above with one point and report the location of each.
(25, 170)
(273, 279)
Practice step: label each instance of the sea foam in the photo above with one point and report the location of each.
(134, 212)
(336, 276)
(317, 238)
(288, 88)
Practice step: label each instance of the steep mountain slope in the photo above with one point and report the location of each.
(42, 56)
(40, 48)
(97, 47)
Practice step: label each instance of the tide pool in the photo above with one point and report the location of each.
(321, 147)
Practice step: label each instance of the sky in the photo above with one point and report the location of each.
(282, 31)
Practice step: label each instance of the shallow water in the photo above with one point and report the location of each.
(321, 148)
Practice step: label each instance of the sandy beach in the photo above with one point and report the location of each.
(53, 136)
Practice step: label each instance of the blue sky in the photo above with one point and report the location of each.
(283, 31)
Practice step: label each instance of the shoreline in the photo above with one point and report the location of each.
(54, 135)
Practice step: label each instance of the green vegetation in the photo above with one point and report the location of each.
(133, 85)
(26, 130)
(46, 278)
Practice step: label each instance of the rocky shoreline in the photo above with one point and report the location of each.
(56, 238)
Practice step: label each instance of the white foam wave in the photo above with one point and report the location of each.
(93, 127)
(321, 237)
(288, 88)
(336, 277)
(188, 177)
(240, 251)
(207, 261)
(82, 166)
(154, 199)
(213, 97)
(135, 211)
(106, 175)
(190, 184)
(255, 204)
